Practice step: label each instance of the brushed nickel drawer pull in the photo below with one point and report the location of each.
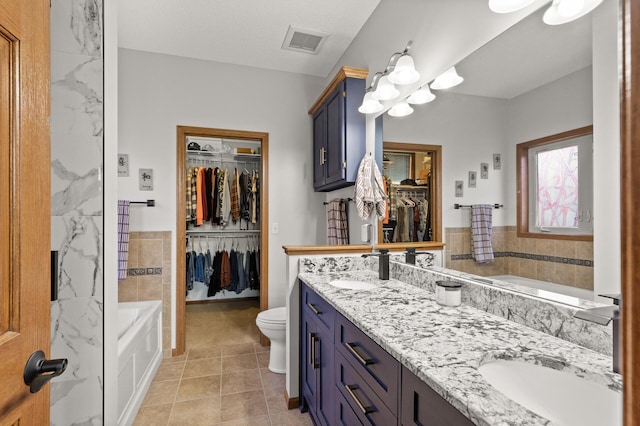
(363, 360)
(314, 339)
(351, 389)
(310, 340)
(313, 308)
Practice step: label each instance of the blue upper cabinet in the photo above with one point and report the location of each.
(339, 131)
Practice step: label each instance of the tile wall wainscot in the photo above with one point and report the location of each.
(558, 261)
(149, 276)
(77, 209)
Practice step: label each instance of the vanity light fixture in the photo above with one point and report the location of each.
(401, 109)
(421, 96)
(400, 70)
(447, 80)
(508, 6)
(563, 11)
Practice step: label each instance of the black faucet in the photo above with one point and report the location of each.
(383, 263)
(604, 315)
(410, 255)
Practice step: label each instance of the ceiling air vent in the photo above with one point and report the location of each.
(303, 40)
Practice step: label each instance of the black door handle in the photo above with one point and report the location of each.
(40, 370)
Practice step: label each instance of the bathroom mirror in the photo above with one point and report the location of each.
(532, 81)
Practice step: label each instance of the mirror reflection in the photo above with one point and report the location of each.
(532, 81)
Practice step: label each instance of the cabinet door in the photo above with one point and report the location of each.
(336, 143)
(421, 405)
(319, 147)
(326, 402)
(308, 366)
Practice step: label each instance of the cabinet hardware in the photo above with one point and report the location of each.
(344, 93)
(344, 165)
(363, 360)
(313, 340)
(314, 309)
(322, 156)
(365, 410)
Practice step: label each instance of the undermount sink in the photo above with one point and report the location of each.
(560, 396)
(352, 284)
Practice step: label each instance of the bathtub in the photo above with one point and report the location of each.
(558, 292)
(139, 354)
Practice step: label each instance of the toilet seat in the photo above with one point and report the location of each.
(273, 316)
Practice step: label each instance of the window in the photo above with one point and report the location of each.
(399, 166)
(555, 196)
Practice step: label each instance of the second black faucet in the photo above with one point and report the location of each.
(383, 263)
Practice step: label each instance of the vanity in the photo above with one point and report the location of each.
(386, 353)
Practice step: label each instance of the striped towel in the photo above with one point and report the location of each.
(337, 224)
(123, 238)
(369, 189)
(481, 249)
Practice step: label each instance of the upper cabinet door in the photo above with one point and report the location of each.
(319, 147)
(336, 143)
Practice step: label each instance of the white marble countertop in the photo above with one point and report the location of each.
(445, 345)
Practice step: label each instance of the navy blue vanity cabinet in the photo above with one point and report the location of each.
(317, 358)
(421, 405)
(338, 132)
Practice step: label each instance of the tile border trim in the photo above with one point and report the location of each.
(530, 256)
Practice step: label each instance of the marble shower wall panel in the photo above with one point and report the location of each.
(76, 208)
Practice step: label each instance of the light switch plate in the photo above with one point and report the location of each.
(365, 233)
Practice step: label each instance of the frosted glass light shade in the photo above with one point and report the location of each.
(404, 72)
(370, 105)
(508, 6)
(401, 109)
(421, 96)
(563, 11)
(385, 90)
(447, 79)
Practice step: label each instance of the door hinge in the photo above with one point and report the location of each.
(344, 93)
(344, 165)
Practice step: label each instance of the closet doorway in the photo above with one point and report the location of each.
(183, 133)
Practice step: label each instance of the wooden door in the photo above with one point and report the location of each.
(24, 205)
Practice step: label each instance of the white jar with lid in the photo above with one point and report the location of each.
(448, 293)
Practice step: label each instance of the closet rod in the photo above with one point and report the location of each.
(148, 203)
(462, 206)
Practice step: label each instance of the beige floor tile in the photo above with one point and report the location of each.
(272, 380)
(153, 416)
(242, 405)
(161, 393)
(253, 421)
(180, 358)
(239, 362)
(276, 402)
(200, 412)
(201, 353)
(202, 367)
(169, 371)
(198, 387)
(259, 348)
(263, 359)
(241, 381)
(291, 418)
(243, 348)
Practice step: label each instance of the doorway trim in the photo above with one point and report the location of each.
(181, 227)
(630, 215)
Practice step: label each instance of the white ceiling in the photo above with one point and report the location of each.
(526, 56)
(244, 32)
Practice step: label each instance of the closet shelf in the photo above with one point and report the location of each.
(410, 187)
(227, 156)
(222, 231)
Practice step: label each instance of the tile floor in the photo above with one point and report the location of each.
(222, 378)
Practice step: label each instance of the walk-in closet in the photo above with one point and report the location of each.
(221, 214)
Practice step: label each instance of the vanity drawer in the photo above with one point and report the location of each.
(318, 308)
(377, 368)
(345, 416)
(364, 402)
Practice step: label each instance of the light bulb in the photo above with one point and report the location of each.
(370, 105)
(401, 109)
(385, 90)
(421, 96)
(404, 71)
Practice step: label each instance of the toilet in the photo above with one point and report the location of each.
(272, 323)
